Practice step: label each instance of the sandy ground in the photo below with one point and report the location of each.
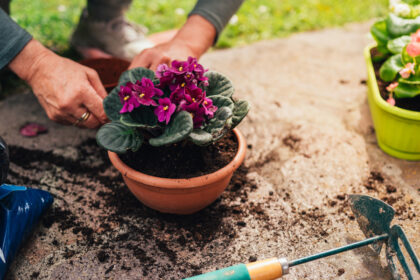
(311, 142)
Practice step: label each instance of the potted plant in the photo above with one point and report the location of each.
(393, 66)
(172, 134)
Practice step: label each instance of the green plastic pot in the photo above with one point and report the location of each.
(397, 130)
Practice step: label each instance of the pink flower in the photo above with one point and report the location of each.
(165, 110)
(127, 98)
(391, 101)
(209, 108)
(407, 70)
(413, 48)
(145, 91)
(392, 87)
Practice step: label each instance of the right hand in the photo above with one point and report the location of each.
(65, 89)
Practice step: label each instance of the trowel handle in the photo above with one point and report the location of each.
(269, 269)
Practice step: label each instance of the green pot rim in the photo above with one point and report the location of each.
(403, 113)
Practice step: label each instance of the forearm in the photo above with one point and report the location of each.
(26, 62)
(12, 39)
(197, 33)
(217, 12)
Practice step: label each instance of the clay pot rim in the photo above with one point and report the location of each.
(194, 182)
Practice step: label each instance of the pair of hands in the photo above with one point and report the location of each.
(66, 90)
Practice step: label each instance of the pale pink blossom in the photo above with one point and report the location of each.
(391, 101)
(392, 87)
(413, 48)
(407, 70)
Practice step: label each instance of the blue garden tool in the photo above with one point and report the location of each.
(374, 218)
(20, 210)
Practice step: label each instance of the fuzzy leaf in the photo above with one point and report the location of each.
(397, 26)
(112, 105)
(140, 117)
(118, 138)
(219, 124)
(396, 45)
(200, 137)
(239, 112)
(406, 91)
(135, 74)
(391, 67)
(178, 129)
(218, 85)
(222, 101)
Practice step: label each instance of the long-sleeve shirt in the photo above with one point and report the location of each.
(13, 38)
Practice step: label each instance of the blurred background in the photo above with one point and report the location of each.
(52, 21)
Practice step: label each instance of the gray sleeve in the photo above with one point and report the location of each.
(13, 39)
(217, 12)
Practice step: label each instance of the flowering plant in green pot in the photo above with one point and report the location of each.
(394, 80)
(178, 106)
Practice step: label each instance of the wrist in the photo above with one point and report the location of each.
(198, 34)
(28, 61)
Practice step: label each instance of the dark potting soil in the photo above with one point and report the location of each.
(184, 160)
(412, 104)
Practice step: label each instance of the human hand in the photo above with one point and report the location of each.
(65, 89)
(163, 54)
(193, 39)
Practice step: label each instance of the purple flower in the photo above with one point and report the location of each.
(179, 67)
(145, 91)
(209, 108)
(177, 95)
(196, 111)
(194, 94)
(165, 110)
(128, 98)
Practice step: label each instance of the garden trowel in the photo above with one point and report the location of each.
(374, 218)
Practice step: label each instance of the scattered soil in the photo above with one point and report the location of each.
(183, 160)
(292, 141)
(102, 216)
(412, 104)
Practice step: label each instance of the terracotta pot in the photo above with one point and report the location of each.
(180, 196)
(109, 69)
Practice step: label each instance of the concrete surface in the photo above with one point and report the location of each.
(311, 142)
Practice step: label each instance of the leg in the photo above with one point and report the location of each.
(103, 31)
(105, 10)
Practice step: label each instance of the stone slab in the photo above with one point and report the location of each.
(311, 142)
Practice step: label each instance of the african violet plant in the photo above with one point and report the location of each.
(398, 42)
(184, 102)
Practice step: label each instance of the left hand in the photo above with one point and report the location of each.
(163, 53)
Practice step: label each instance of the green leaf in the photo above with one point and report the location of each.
(222, 101)
(381, 36)
(218, 85)
(112, 105)
(140, 117)
(406, 91)
(135, 74)
(118, 138)
(413, 80)
(200, 137)
(396, 45)
(397, 26)
(390, 68)
(219, 124)
(239, 112)
(178, 129)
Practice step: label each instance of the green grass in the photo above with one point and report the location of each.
(52, 21)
